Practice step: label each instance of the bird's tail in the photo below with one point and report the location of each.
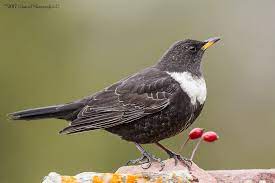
(63, 111)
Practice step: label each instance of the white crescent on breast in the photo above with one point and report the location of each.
(194, 86)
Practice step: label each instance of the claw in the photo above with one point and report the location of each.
(176, 157)
(148, 165)
(162, 165)
(179, 158)
(137, 161)
(147, 160)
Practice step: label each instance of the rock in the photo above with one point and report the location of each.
(246, 176)
(170, 173)
(195, 172)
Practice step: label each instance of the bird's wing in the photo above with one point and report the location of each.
(128, 100)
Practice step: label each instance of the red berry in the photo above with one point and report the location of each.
(196, 133)
(210, 136)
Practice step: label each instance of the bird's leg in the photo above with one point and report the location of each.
(145, 158)
(176, 156)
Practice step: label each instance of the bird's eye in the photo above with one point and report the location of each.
(192, 48)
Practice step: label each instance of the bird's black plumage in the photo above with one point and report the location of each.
(151, 105)
(144, 108)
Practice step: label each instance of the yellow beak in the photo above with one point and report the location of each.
(209, 42)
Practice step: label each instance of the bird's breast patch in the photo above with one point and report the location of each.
(195, 87)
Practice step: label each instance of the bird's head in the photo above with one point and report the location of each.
(185, 55)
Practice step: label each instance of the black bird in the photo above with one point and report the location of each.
(151, 105)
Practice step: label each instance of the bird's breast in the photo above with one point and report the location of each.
(193, 86)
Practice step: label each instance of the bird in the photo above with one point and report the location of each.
(156, 103)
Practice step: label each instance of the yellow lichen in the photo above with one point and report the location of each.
(116, 178)
(97, 179)
(68, 179)
(159, 180)
(131, 179)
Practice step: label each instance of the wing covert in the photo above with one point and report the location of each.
(125, 101)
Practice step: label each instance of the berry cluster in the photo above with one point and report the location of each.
(198, 133)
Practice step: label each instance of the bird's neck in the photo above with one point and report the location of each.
(194, 70)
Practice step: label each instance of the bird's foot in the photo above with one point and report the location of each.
(147, 159)
(178, 158)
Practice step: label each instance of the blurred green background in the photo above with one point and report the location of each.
(52, 56)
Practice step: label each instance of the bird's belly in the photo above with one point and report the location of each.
(156, 127)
